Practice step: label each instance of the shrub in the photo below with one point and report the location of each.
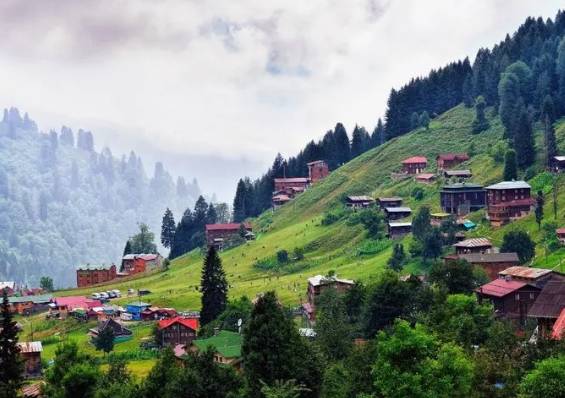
(417, 193)
(282, 256)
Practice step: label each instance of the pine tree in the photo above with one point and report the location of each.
(510, 166)
(341, 148)
(378, 136)
(11, 367)
(509, 93)
(421, 225)
(414, 121)
(468, 90)
(524, 140)
(168, 228)
(127, 248)
(480, 123)
(540, 201)
(211, 215)
(239, 211)
(397, 259)
(214, 287)
(425, 120)
(359, 141)
(548, 118)
(183, 235)
(104, 341)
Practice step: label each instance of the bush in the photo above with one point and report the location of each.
(417, 193)
(332, 217)
(282, 256)
(372, 219)
(298, 253)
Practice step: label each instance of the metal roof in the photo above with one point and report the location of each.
(500, 287)
(398, 209)
(293, 179)
(415, 159)
(324, 280)
(525, 272)
(231, 226)
(458, 172)
(44, 298)
(550, 301)
(462, 185)
(473, 242)
(391, 199)
(559, 158)
(510, 185)
(399, 224)
(361, 198)
(475, 258)
(30, 346)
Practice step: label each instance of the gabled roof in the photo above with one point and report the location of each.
(39, 299)
(453, 156)
(560, 231)
(415, 159)
(501, 287)
(559, 158)
(360, 198)
(399, 224)
(304, 180)
(477, 258)
(72, 302)
(324, 280)
(230, 226)
(510, 185)
(400, 209)
(391, 199)
(425, 176)
(463, 185)
(316, 162)
(458, 173)
(191, 323)
(550, 301)
(30, 346)
(227, 344)
(473, 242)
(525, 272)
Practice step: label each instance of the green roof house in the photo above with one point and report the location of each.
(227, 346)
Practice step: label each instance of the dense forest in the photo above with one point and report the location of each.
(516, 77)
(63, 204)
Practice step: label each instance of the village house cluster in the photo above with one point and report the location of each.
(286, 189)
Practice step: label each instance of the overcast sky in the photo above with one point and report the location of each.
(216, 88)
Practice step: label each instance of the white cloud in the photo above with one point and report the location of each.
(238, 79)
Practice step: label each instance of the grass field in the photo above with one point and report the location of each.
(338, 246)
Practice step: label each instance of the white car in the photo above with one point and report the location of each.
(117, 292)
(95, 296)
(104, 296)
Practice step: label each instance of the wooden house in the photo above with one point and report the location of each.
(393, 201)
(511, 299)
(27, 305)
(227, 347)
(139, 263)
(458, 174)
(473, 245)
(507, 201)
(358, 202)
(425, 178)
(462, 198)
(121, 333)
(397, 213)
(280, 199)
(436, 219)
(449, 160)
(560, 232)
(282, 184)
(548, 306)
(31, 355)
(317, 170)
(398, 229)
(534, 276)
(177, 330)
(61, 307)
(93, 275)
(558, 164)
(491, 263)
(217, 232)
(414, 165)
(318, 284)
(136, 308)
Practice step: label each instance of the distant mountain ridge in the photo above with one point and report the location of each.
(62, 203)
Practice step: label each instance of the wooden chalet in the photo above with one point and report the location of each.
(436, 219)
(393, 201)
(218, 233)
(93, 275)
(548, 307)
(177, 330)
(473, 245)
(157, 313)
(139, 263)
(300, 183)
(317, 170)
(462, 198)
(121, 333)
(558, 164)
(425, 178)
(507, 201)
(318, 284)
(27, 305)
(534, 276)
(491, 263)
(560, 232)
(31, 355)
(397, 213)
(280, 199)
(449, 160)
(398, 229)
(458, 174)
(357, 202)
(227, 347)
(511, 299)
(414, 165)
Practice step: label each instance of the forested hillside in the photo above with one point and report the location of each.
(63, 204)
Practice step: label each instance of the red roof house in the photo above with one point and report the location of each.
(558, 331)
(414, 165)
(561, 235)
(61, 306)
(177, 330)
(215, 232)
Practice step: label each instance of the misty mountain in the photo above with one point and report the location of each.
(62, 203)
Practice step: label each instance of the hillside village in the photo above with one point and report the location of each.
(434, 261)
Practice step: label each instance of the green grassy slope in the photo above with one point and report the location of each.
(336, 247)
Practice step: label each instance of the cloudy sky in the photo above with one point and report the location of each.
(216, 88)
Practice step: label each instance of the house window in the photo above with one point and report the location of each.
(517, 296)
(531, 296)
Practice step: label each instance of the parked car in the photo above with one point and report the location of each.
(131, 292)
(117, 292)
(95, 296)
(111, 294)
(143, 292)
(104, 296)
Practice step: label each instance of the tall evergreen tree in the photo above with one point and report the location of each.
(510, 166)
(183, 236)
(540, 201)
(480, 123)
(421, 225)
(509, 93)
(214, 287)
(560, 71)
(127, 248)
(467, 91)
(239, 211)
(524, 140)
(211, 215)
(11, 366)
(341, 148)
(359, 141)
(414, 121)
(397, 259)
(168, 228)
(378, 135)
(425, 120)
(144, 240)
(548, 118)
